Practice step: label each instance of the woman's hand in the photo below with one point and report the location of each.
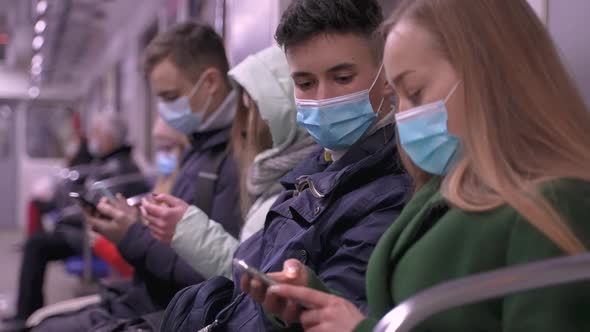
(122, 217)
(323, 312)
(161, 214)
(294, 273)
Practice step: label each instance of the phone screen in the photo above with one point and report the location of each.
(105, 192)
(253, 272)
(86, 205)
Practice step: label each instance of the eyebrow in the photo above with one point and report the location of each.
(167, 93)
(336, 68)
(341, 67)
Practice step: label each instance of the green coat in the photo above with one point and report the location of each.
(432, 243)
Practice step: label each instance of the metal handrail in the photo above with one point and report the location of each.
(484, 286)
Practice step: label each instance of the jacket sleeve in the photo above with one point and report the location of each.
(204, 244)
(366, 325)
(225, 209)
(343, 272)
(154, 261)
(560, 308)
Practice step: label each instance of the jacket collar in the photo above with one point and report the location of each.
(372, 158)
(376, 152)
(124, 150)
(211, 139)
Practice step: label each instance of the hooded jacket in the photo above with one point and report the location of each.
(201, 241)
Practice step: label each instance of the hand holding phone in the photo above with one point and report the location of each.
(280, 306)
(86, 205)
(105, 192)
(253, 272)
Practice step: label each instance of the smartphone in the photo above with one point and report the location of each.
(87, 205)
(266, 280)
(253, 272)
(105, 192)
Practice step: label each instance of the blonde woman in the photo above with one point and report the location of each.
(504, 181)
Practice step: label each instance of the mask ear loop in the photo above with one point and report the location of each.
(373, 85)
(376, 77)
(197, 85)
(452, 91)
(380, 106)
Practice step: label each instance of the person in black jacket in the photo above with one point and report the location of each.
(187, 68)
(113, 158)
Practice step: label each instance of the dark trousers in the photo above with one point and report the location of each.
(40, 249)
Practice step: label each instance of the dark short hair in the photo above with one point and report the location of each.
(305, 19)
(191, 46)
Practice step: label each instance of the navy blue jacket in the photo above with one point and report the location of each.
(330, 216)
(159, 271)
(225, 208)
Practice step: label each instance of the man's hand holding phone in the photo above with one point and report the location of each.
(118, 218)
(289, 298)
(294, 273)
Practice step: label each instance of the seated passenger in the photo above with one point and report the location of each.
(267, 144)
(107, 143)
(170, 146)
(187, 68)
(337, 203)
(508, 178)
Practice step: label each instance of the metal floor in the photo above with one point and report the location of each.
(58, 285)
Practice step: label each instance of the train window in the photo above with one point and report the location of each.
(50, 131)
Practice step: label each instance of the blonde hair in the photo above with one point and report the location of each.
(525, 124)
(250, 136)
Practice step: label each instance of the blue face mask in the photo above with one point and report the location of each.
(178, 113)
(338, 123)
(166, 163)
(425, 138)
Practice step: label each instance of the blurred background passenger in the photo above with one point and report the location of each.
(187, 68)
(170, 146)
(107, 144)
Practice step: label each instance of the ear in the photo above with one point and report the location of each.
(214, 80)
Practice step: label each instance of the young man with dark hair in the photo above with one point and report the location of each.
(337, 203)
(187, 69)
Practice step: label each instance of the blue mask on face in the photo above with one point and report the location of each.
(338, 123)
(178, 113)
(166, 163)
(425, 138)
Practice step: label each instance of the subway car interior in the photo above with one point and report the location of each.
(249, 165)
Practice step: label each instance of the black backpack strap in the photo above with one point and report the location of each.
(207, 179)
